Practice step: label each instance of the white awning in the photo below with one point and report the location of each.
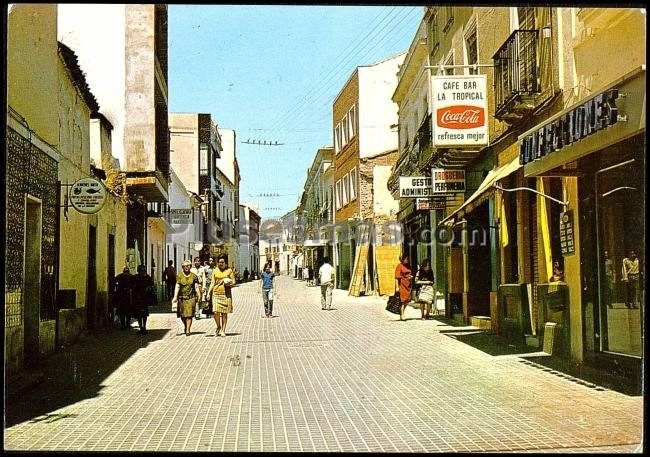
(481, 193)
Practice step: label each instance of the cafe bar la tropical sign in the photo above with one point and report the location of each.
(459, 111)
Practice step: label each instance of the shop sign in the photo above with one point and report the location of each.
(428, 204)
(459, 110)
(566, 233)
(87, 195)
(415, 186)
(181, 216)
(447, 181)
(591, 116)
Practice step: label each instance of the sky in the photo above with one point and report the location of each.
(271, 73)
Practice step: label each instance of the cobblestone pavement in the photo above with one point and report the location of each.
(350, 379)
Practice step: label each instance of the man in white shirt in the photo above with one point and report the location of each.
(326, 277)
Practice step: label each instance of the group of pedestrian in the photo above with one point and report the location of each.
(132, 296)
(423, 281)
(209, 284)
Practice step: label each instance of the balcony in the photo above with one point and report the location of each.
(516, 78)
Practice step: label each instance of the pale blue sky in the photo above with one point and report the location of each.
(271, 73)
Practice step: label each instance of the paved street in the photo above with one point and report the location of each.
(350, 379)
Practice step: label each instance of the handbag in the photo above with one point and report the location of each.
(426, 294)
(393, 305)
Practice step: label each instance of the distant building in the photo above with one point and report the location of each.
(364, 120)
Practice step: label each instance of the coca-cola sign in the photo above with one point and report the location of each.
(459, 107)
(461, 117)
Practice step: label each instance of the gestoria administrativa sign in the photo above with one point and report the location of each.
(459, 107)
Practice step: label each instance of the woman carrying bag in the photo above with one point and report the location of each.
(425, 281)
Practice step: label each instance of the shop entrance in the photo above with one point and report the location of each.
(619, 194)
(479, 271)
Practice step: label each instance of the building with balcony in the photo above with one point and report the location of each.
(461, 43)
(316, 210)
(127, 69)
(227, 228)
(589, 153)
(559, 176)
(195, 147)
(363, 121)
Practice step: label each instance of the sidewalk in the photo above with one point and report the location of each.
(351, 379)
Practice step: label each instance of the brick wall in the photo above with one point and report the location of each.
(29, 171)
(366, 180)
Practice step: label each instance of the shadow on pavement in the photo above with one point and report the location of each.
(72, 374)
(490, 343)
(619, 382)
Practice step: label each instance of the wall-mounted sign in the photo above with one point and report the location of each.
(87, 195)
(566, 233)
(415, 186)
(591, 116)
(428, 204)
(459, 110)
(181, 216)
(447, 181)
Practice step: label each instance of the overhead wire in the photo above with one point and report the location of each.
(331, 73)
(327, 91)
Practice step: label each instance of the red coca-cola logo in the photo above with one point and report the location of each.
(461, 117)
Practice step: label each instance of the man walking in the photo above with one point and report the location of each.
(267, 290)
(326, 278)
(122, 297)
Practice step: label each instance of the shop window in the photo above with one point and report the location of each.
(619, 194)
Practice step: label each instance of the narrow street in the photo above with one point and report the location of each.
(351, 379)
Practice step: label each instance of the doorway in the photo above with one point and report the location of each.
(110, 273)
(91, 289)
(32, 284)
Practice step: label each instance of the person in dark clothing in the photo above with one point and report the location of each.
(142, 296)
(122, 297)
(170, 279)
(246, 274)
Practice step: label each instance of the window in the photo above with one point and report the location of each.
(449, 18)
(203, 159)
(352, 121)
(346, 189)
(344, 130)
(526, 17)
(337, 140)
(339, 197)
(471, 50)
(353, 183)
(434, 35)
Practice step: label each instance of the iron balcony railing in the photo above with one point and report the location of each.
(515, 71)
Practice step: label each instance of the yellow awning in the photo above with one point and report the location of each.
(481, 194)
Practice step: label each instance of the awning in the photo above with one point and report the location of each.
(482, 193)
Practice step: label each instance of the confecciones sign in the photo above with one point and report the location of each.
(595, 114)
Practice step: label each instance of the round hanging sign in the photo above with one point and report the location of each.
(87, 195)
